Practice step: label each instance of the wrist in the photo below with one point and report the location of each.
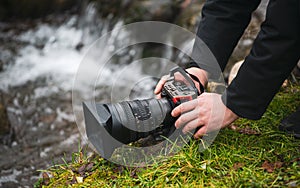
(229, 117)
(201, 74)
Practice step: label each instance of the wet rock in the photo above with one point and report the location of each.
(3, 117)
(41, 115)
(46, 178)
(48, 119)
(22, 9)
(189, 16)
(15, 122)
(1, 65)
(79, 46)
(234, 71)
(216, 87)
(10, 184)
(184, 13)
(296, 72)
(245, 43)
(6, 133)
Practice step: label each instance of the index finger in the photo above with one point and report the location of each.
(184, 107)
(160, 84)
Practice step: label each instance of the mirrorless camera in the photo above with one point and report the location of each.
(108, 126)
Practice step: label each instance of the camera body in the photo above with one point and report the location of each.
(179, 87)
(108, 126)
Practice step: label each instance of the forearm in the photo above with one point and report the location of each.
(201, 74)
(275, 52)
(223, 23)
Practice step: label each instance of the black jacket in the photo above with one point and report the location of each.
(275, 51)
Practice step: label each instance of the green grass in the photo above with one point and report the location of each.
(235, 159)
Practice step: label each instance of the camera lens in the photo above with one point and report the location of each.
(136, 119)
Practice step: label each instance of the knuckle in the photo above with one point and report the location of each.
(190, 126)
(181, 108)
(165, 77)
(179, 121)
(186, 106)
(199, 121)
(182, 119)
(198, 134)
(199, 100)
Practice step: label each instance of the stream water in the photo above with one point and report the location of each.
(39, 62)
(37, 78)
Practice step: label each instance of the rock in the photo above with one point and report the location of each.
(79, 179)
(234, 71)
(79, 46)
(190, 14)
(245, 43)
(184, 13)
(216, 87)
(1, 65)
(5, 129)
(296, 72)
(48, 118)
(22, 9)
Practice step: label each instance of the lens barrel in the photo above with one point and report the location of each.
(132, 120)
(108, 126)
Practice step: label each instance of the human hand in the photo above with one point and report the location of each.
(201, 74)
(206, 112)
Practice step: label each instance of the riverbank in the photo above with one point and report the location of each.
(247, 154)
(41, 47)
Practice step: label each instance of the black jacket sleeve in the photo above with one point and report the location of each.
(275, 51)
(223, 23)
(274, 54)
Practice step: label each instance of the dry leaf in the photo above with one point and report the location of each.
(232, 127)
(245, 130)
(46, 179)
(79, 179)
(81, 170)
(49, 118)
(270, 167)
(296, 160)
(249, 131)
(278, 164)
(89, 167)
(237, 166)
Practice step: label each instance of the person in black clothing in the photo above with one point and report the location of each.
(274, 54)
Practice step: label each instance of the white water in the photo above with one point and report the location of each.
(10, 178)
(57, 60)
(50, 53)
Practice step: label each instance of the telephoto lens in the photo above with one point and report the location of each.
(108, 126)
(126, 122)
(132, 120)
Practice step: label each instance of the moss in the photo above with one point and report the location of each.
(235, 159)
